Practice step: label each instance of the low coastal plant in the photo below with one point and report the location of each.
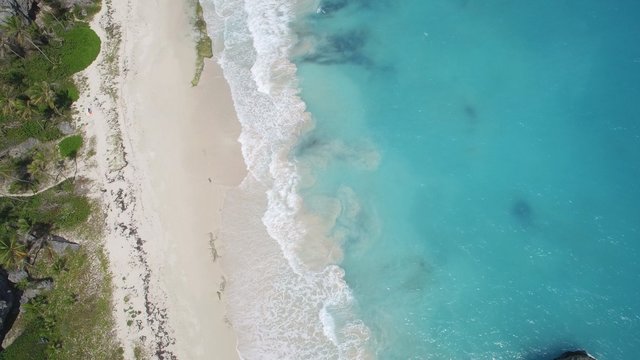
(70, 146)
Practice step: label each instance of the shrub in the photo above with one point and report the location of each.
(74, 211)
(69, 146)
(79, 49)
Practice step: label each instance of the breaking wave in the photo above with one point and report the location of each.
(287, 298)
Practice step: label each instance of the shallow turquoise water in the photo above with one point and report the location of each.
(486, 155)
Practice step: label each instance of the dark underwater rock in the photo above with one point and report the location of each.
(522, 211)
(343, 48)
(575, 355)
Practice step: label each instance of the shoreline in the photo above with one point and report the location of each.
(158, 142)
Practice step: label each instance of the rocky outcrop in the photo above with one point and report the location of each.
(23, 8)
(72, 3)
(43, 243)
(575, 355)
(21, 149)
(9, 304)
(66, 128)
(36, 288)
(16, 276)
(60, 245)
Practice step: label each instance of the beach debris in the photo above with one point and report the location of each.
(212, 246)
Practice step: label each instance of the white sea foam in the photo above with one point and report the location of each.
(280, 306)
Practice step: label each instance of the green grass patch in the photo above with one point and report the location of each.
(80, 48)
(69, 146)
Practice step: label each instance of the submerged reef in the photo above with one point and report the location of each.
(521, 210)
(344, 48)
(575, 355)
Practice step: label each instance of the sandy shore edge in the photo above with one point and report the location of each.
(166, 154)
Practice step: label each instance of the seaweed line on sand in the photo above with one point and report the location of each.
(120, 199)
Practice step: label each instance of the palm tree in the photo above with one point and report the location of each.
(25, 109)
(43, 93)
(5, 44)
(15, 28)
(9, 106)
(38, 165)
(12, 252)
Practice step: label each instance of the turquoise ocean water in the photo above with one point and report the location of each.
(472, 165)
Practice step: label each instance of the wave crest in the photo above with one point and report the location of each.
(281, 306)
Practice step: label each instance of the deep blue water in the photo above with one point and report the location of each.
(486, 156)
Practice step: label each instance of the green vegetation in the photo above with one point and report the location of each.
(69, 146)
(204, 47)
(37, 62)
(138, 353)
(73, 320)
(80, 47)
(40, 195)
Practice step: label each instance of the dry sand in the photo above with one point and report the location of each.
(166, 154)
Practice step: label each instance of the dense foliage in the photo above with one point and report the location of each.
(39, 196)
(36, 89)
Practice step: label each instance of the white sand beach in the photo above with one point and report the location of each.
(166, 153)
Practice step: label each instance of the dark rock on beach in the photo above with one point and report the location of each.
(15, 276)
(24, 8)
(9, 304)
(60, 245)
(575, 355)
(36, 288)
(21, 149)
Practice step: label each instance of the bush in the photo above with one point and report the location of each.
(71, 91)
(74, 211)
(79, 49)
(69, 146)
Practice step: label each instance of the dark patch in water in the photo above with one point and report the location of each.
(329, 7)
(522, 211)
(470, 111)
(307, 144)
(345, 48)
(550, 352)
